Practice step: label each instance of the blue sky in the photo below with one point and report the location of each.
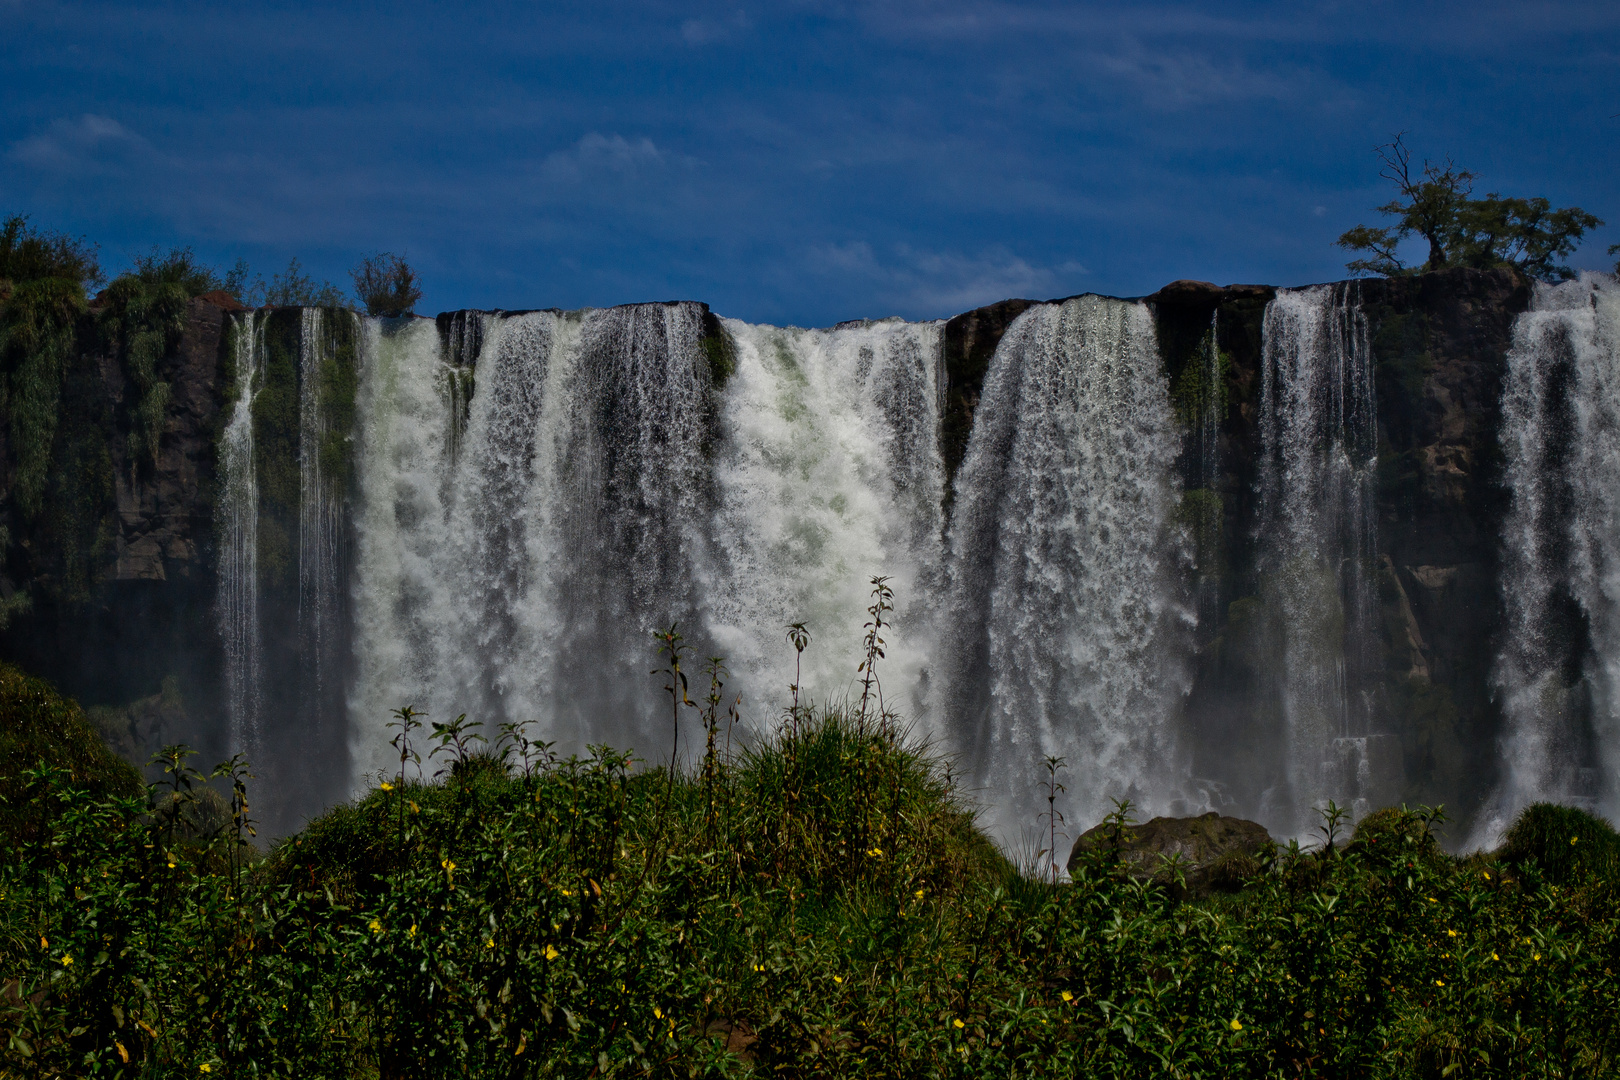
(797, 162)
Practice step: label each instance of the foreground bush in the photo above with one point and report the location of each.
(819, 906)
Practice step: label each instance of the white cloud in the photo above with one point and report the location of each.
(87, 143)
(597, 155)
(919, 281)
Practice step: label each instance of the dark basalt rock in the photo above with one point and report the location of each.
(1215, 851)
(970, 341)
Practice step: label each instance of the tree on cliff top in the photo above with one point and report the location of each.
(386, 285)
(1436, 204)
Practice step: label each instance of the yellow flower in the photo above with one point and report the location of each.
(386, 786)
(876, 853)
(447, 864)
(1451, 933)
(1235, 1025)
(659, 1013)
(205, 1067)
(376, 927)
(67, 961)
(1437, 982)
(958, 1023)
(490, 944)
(412, 931)
(44, 944)
(1486, 874)
(919, 894)
(1573, 839)
(1495, 957)
(551, 952)
(1431, 899)
(414, 808)
(1067, 996)
(838, 978)
(568, 892)
(1536, 957)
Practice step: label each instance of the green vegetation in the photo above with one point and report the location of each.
(43, 278)
(818, 904)
(142, 321)
(290, 288)
(386, 285)
(1569, 845)
(38, 724)
(1436, 206)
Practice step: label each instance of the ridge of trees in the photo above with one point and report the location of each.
(1436, 204)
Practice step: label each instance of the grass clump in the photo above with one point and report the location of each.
(1566, 844)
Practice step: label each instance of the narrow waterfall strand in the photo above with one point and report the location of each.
(1318, 540)
(238, 605)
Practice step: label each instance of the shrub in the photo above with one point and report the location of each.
(1569, 845)
(386, 285)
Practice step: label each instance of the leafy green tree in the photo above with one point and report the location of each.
(386, 285)
(1436, 205)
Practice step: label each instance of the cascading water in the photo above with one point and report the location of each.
(239, 540)
(512, 564)
(829, 474)
(612, 475)
(1067, 619)
(322, 546)
(1318, 543)
(1558, 675)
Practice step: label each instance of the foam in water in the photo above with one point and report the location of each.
(602, 484)
(1318, 542)
(239, 535)
(1068, 622)
(828, 474)
(1558, 675)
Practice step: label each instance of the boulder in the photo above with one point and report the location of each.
(1216, 851)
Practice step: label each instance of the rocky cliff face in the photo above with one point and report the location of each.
(1439, 343)
(119, 569)
(118, 566)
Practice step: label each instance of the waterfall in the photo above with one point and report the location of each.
(322, 574)
(1558, 674)
(829, 473)
(512, 562)
(1318, 545)
(1067, 615)
(238, 608)
(539, 492)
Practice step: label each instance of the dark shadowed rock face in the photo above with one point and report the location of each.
(970, 341)
(1209, 847)
(119, 566)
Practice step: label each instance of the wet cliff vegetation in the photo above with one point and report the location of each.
(819, 903)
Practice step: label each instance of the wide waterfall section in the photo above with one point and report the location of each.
(828, 473)
(1318, 550)
(1068, 620)
(1558, 674)
(543, 491)
(533, 506)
